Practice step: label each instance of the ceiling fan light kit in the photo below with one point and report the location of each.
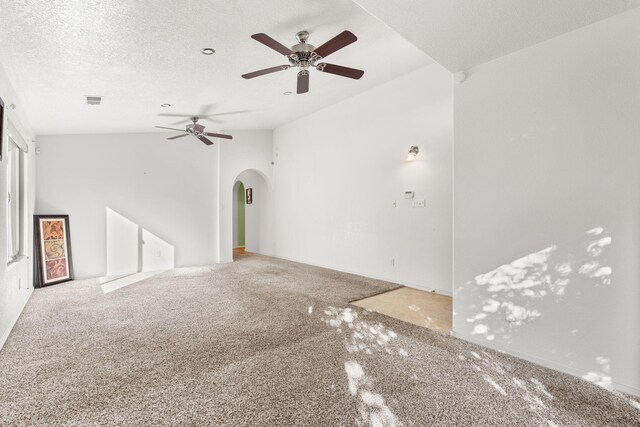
(305, 56)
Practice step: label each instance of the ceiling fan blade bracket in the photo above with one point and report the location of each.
(294, 60)
(314, 57)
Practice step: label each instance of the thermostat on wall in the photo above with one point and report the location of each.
(409, 194)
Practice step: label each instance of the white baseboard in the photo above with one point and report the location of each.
(14, 319)
(576, 372)
(356, 273)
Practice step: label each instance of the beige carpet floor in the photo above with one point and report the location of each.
(266, 342)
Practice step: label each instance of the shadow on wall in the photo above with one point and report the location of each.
(132, 248)
(548, 282)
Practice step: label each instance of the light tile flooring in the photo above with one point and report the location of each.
(421, 308)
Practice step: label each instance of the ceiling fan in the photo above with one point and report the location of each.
(304, 56)
(204, 114)
(198, 131)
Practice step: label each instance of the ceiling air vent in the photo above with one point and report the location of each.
(94, 100)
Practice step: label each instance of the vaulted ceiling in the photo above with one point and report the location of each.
(142, 54)
(460, 34)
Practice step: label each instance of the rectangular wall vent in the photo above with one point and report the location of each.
(94, 100)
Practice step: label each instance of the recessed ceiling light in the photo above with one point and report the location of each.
(208, 51)
(165, 105)
(287, 92)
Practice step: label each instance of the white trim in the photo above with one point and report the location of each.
(14, 320)
(16, 261)
(18, 141)
(576, 372)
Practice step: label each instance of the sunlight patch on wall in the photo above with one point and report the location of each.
(131, 251)
(514, 291)
(122, 244)
(156, 253)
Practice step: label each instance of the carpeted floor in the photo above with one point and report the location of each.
(266, 342)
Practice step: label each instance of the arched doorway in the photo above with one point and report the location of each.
(239, 219)
(248, 228)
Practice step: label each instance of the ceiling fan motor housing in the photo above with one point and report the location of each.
(303, 55)
(195, 128)
(302, 36)
(304, 58)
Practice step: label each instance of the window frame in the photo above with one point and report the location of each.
(16, 157)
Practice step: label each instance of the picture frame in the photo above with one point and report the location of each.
(249, 196)
(1, 126)
(52, 248)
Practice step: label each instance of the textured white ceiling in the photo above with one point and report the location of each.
(460, 34)
(140, 54)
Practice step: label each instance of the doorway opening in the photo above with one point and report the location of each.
(245, 226)
(239, 219)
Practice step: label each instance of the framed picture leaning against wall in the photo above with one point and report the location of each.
(52, 249)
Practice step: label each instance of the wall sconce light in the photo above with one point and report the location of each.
(413, 152)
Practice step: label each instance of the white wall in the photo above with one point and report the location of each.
(122, 244)
(16, 280)
(339, 171)
(234, 209)
(167, 188)
(131, 248)
(249, 150)
(155, 254)
(547, 155)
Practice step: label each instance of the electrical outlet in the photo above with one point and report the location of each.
(393, 262)
(419, 203)
(158, 253)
